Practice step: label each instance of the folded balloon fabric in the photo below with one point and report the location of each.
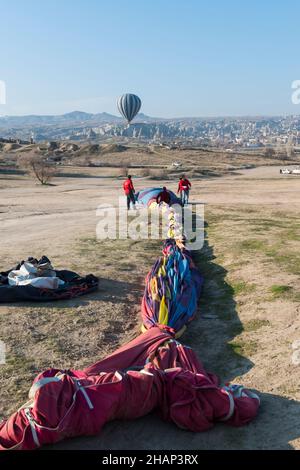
(152, 372)
(148, 196)
(172, 290)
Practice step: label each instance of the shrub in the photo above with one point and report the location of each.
(159, 174)
(270, 152)
(145, 172)
(37, 165)
(123, 171)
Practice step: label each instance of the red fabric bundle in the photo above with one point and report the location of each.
(167, 376)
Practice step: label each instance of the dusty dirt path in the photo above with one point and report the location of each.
(259, 326)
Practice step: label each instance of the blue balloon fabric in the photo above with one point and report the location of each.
(146, 197)
(173, 287)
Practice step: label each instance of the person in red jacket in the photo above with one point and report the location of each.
(163, 196)
(129, 191)
(184, 187)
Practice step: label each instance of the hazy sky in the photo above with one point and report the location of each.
(182, 57)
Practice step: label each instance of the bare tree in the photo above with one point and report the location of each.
(290, 151)
(269, 152)
(144, 172)
(85, 160)
(38, 166)
(158, 174)
(124, 171)
(280, 152)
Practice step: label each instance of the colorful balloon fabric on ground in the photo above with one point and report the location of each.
(146, 197)
(172, 290)
(154, 371)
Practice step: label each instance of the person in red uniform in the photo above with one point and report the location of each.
(163, 196)
(184, 187)
(129, 191)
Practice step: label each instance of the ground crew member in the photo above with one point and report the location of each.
(129, 191)
(163, 196)
(184, 187)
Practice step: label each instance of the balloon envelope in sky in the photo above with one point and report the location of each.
(129, 105)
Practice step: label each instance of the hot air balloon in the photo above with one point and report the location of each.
(129, 105)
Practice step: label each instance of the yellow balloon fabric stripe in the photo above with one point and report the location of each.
(163, 312)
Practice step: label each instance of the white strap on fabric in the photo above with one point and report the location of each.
(40, 383)
(231, 406)
(46, 380)
(146, 372)
(32, 426)
(171, 369)
(251, 394)
(84, 392)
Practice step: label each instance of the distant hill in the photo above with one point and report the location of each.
(66, 119)
(49, 120)
(76, 125)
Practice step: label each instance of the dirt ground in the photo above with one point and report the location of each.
(248, 314)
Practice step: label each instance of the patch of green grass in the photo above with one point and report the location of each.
(251, 245)
(55, 345)
(217, 295)
(117, 250)
(271, 252)
(218, 218)
(279, 290)
(292, 234)
(290, 391)
(296, 297)
(18, 363)
(243, 288)
(242, 347)
(255, 324)
(237, 264)
(89, 241)
(271, 223)
(289, 260)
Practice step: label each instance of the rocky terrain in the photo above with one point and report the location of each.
(239, 132)
(147, 159)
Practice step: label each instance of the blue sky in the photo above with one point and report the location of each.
(182, 57)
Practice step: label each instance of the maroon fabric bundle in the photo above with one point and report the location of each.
(153, 371)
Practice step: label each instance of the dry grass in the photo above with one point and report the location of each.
(75, 333)
(248, 314)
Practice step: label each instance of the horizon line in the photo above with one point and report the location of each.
(220, 116)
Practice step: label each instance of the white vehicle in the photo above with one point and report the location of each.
(176, 164)
(286, 171)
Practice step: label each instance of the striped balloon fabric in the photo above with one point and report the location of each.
(173, 287)
(129, 105)
(146, 197)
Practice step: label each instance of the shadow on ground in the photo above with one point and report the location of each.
(272, 429)
(110, 290)
(217, 322)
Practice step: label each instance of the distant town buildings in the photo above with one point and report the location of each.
(226, 133)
